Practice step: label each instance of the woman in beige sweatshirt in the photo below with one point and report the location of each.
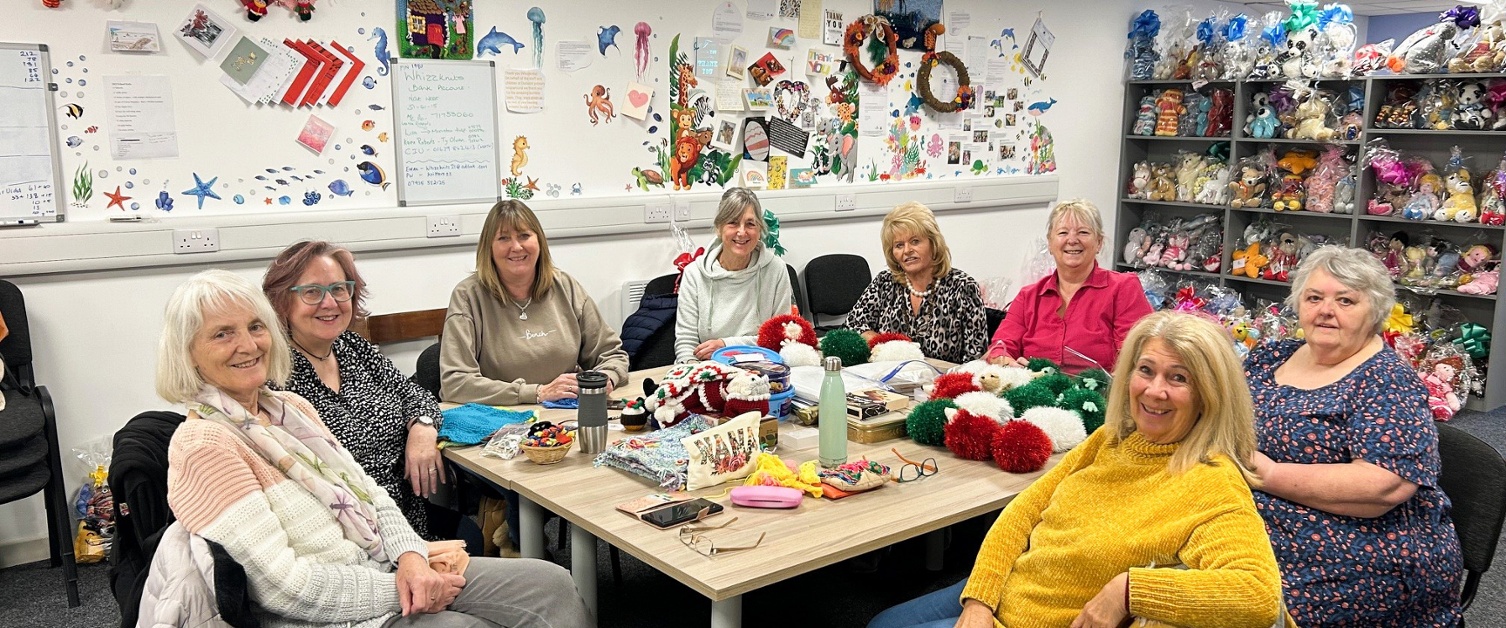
(518, 329)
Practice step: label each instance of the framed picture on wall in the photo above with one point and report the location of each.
(724, 135)
(205, 32)
(737, 61)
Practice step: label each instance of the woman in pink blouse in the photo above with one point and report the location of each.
(1079, 315)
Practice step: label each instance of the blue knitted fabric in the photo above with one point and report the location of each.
(472, 423)
(563, 404)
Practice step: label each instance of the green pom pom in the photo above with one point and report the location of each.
(1086, 403)
(1093, 379)
(926, 422)
(1057, 382)
(1042, 364)
(847, 345)
(1032, 395)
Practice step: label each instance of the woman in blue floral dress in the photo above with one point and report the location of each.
(1348, 459)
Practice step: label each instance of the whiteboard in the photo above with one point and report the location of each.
(445, 120)
(30, 189)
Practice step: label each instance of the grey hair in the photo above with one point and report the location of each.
(178, 380)
(1355, 269)
(1080, 208)
(734, 202)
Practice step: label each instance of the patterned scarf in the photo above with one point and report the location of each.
(305, 451)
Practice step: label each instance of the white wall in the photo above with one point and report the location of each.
(95, 334)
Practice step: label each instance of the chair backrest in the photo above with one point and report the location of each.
(833, 284)
(663, 284)
(796, 293)
(401, 326)
(1473, 475)
(426, 373)
(16, 347)
(138, 483)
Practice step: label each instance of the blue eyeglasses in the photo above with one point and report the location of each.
(313, 294)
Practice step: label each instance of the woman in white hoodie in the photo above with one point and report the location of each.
(737, 285)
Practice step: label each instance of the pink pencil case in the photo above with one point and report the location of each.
(766, 497)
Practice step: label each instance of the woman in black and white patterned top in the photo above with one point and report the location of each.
(389, 424)
(921, 295)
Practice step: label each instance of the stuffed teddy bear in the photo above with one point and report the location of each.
(1343, 195)
(1470, 112)
(1139, 185)
(1220, 113)
(1168, 110)
(1174, 256)
(1249, 189)
(1162, 187)
(1297, 60)
(1487, 54)
(1460, 204)
(1284, 257)
(1134, 245)
(1214, 189)
(1188, 168)
(1312, 121)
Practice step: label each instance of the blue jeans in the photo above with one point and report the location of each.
(937, 609)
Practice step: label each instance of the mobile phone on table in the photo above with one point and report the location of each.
(616, 404)
(680, 512)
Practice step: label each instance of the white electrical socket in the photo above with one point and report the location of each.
(442, 226)
(962, 195)
(847, 202)
(196, 240)
(682, 210)
(657, 211)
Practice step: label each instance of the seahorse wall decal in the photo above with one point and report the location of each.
(381, 49)
(519, 156)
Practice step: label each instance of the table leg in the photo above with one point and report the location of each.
(583, 565)
(531, 528)
(935, 548)
(727, 613)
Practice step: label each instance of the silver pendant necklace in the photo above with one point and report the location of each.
(522, 314)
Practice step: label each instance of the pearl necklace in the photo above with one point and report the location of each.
(919, 293)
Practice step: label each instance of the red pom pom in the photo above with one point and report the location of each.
(771, 334)
(886, 337)
(970, 436)
(949, 385)
(1021, 447)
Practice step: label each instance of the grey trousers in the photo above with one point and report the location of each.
(511, 593)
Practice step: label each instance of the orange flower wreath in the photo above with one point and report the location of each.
(852, 41)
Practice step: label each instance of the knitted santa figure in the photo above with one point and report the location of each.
(893, 347)
(708, 388)
(793, 337)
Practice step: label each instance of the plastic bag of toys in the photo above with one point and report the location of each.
(1312, 118)
(1237, 51)
(1472, 110)
(1249, 259)
(995, 292)
(1212, 184)
(1177, 45)
(1262, 121)
(1251, 181)
(1157, 288)
(1435, 105)
(1371, 57)
(1485, 49)
(1140, 53)
(1331, 166)
(1336, 40)
(1459, 191)
(1271, 42)
(1428, 49)
(1288, 182)
(1209, 49)
(94, 506)
(1399, 109)
(1193, 120)
(1449, 375)
(1300, 58)
(1492, 195)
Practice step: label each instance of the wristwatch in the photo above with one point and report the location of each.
(422, 419)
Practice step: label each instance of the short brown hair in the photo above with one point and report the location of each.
(512, 215)
(289, 265)
(915, 218)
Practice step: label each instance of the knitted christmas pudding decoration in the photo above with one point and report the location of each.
(1086, 403)
(1020, 447)
(971, 436)
(1063, 427)
(1056, 381)
(1032, 395)
(926, 422)
(845, 344)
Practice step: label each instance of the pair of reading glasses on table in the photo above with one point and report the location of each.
(692, 537)
(912, 470)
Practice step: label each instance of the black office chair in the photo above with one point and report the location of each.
(29, 458)
(663, 284)
(426, 372)
(797, 293)
(1473, 475)
(833, 284)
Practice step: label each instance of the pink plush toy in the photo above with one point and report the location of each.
(1482, 283)
(1441, 398)
(1320, 186)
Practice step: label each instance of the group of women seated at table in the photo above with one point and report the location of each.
(1301, 487)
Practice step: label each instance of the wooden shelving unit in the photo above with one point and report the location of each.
(1484, 146)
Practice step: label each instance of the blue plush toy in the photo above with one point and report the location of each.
(1265, 123)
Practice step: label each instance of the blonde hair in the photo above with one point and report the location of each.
(1226, 415)
(178, 380)
(1080, 208)
(916, 219)
(513, 216)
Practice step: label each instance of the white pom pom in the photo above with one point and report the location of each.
(983, 404)
(971, 368)
(800, 354)
(1063, 426)
(1011, 377)
(895, 351)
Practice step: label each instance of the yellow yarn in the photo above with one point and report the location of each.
(769, 470)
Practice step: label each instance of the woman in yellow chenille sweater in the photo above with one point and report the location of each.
(1151, 517)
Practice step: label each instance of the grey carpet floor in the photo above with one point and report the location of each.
(31, 596)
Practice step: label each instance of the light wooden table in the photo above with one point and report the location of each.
(816, 534)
